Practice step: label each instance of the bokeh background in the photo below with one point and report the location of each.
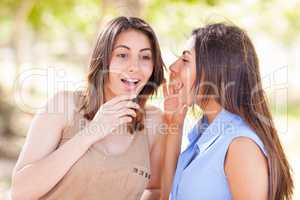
(45, 47)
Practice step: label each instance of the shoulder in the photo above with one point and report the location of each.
(240, 131)
(46, 128)
(61, 104)
(153, 123)
(245, 150)
(243, 145)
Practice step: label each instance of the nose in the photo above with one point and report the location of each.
(174, 67)
(133, 65)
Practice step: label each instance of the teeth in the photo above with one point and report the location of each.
(131, 80)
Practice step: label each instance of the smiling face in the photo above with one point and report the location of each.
(183, 73)
(131, 64)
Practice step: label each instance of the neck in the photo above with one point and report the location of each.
(211, 110)
(108, 94)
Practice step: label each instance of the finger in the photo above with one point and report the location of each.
(126, 112)
(180, 92)
(171, 84)
(165, 90)
(172, 87)
(184, 109)
(123, 120)
(121, 98)
(181, 97)
(126, 104)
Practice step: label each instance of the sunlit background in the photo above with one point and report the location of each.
(45, 47)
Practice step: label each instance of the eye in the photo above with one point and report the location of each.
(146, 57)
(122, 55)
(184, 60)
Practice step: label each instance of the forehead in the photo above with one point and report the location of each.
(133, 39)
(190, 44)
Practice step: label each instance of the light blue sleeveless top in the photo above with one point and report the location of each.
(200, 168)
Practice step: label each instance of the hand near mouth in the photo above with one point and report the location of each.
(111, 115)
(174, 109)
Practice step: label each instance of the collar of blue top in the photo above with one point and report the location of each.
(204, 134)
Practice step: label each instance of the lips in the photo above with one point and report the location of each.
(130, 83)
(177, 84)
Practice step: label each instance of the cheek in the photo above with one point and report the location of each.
(187, 77)
(113, 74)
(115, 67)
(147, 72)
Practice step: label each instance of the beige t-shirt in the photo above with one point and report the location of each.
(97, 176)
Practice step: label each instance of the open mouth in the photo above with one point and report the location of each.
(132, 82)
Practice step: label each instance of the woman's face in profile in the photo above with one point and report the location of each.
(131, 64)
(183, 73)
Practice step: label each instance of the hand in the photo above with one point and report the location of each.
(112, 114)
(174, 108)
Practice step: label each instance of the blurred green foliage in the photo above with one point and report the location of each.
(78, 15)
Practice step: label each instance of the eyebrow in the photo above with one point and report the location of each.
(146, 49)
(126, 47)
(186, 51)
(122, 46)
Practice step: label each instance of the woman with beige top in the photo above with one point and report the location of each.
(105, 144)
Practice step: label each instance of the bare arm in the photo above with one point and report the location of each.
(38, 160)
(246, 169)
(172, 151)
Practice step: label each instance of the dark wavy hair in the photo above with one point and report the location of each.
(225, 56)
(94, 95)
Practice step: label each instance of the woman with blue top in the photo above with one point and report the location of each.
(234, 151)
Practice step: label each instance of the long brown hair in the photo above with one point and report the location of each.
(227, 61)
(94, 95)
